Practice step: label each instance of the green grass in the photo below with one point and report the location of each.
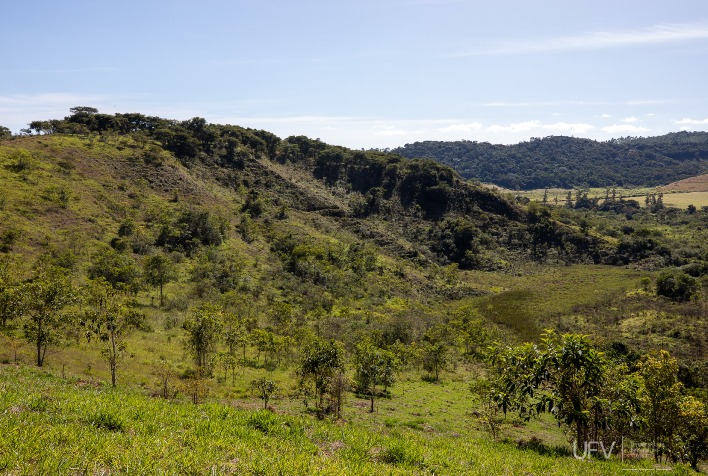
(61, 426)
(528, 304)
(683, 200)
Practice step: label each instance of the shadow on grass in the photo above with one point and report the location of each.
(538, 446)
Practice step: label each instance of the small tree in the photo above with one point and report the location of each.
(660, 401)
(488, 414)
(117, 268)
(159, 271)
(563, 375)
(676, 285)
(12, 306)
(322, 361)
(45, 296)
(692, 431)
(236, 334)
(203, 331)
(265, 342)
(435, 350)
(373, 366)
(165, 372)
(5, 133)
(109, 319)
(265, 389)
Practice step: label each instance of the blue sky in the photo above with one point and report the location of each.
(366, 73)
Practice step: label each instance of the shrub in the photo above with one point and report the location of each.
(676, 285)
(107, 421)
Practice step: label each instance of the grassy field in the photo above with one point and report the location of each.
(52, 425)
(684, 199)
(676, 199)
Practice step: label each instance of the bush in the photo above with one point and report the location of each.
(107, 421)
(676, 285)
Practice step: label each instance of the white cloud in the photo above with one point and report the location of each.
(535, 103)
(391, 131)
(624, 128)
(657, 34)
(517, 127)
(528, 126)
(20, 109)
(649, 102)
(630, 119)
(567, 128)
(605, 116)
(463, 127)
(692, 122)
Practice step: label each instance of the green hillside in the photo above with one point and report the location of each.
(208, 264)
(56, 426)
(568, 162)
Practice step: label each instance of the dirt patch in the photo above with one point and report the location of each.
(692, 184)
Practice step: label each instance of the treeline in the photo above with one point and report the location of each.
(425, 186)
(567, 162)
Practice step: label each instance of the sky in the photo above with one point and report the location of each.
(366, 73)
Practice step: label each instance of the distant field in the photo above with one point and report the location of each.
(681, 200)
(672, 198)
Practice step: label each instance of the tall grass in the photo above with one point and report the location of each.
(51, 425)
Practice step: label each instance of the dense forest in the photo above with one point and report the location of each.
(567, 162)
(221, 266)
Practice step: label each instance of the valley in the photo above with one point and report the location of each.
(207, 271)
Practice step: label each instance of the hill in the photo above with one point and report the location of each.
(567, 162)
(691, 184)
(64, 426)
(219, 265)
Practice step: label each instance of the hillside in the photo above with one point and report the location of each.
(691, 184)
(211, 263)
(567, 162)
(69, 426)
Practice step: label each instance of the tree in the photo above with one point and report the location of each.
(373, 367)
(11, 301)
(5, 133)
(563, 375)
(615, 412)
(109, 319)
(203, 331)
(488, 414)
(265, 389)
(660, 401)
(44, 297)
(435, 350)
(165, 372)
(264, 341)
(322, 362)
(676, 285)
(83, 110)
(236, 334)
(692, 431)
(117, 268)
(159, 271)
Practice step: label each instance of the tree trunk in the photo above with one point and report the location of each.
(39, 342)
(112, 359)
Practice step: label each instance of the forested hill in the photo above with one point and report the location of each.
(568, 162)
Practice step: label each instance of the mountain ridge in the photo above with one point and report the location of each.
(568, 162)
